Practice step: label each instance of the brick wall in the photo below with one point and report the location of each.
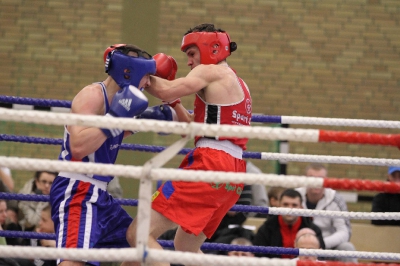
(337, 58)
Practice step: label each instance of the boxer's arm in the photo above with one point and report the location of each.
(86, 140)
(183, 114)
(197, 79)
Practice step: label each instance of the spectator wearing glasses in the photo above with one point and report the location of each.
(30, 210)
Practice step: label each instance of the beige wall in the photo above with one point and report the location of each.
(300, 58)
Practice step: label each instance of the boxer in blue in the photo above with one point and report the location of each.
(84, 214)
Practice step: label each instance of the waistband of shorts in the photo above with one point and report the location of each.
(100, 184)
(223, 145)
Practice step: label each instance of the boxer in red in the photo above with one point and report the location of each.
(221, 98)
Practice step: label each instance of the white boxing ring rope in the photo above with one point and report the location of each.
(290, 181)
(323, 121)
(61, 119)
(149, 172)
(287, 157)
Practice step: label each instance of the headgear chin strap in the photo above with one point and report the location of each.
(213, 46)
(128, 70)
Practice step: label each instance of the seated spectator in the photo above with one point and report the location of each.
(31, 210)
(307, 239)
(13, 225)
(3, 218)
(241, 241)
(7, 186)
(281, 230)
(336, 231)
(227, 235)
(45, 225)
(274, 193)
(388, 202)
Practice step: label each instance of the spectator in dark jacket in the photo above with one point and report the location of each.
(281, 230)
(388, 202)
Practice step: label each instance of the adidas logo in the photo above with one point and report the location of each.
(126, 103)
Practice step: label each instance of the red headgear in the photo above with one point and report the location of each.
(213, 46)
(110, 49)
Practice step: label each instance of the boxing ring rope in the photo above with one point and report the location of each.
(255, 249)
(247, 155)
(255, 117)
(129, 254)
(245, 208)
(289, 181)
(146, 173)
(264, 133)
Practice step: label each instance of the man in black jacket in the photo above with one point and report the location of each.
(280, 230)
(388, 202)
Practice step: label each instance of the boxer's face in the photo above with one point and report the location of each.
(193, 55)
(145, 82)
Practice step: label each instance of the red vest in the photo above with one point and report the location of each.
(238, 113)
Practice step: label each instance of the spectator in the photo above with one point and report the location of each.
(281, 230)
(242, 242)
(388, 202)
(7, 186)
(12, 224)
(258, 192)
(31, 210)
(304, 231)
(336, 231)
(307, 239)
(45, 225)
(274, 194)
(3, 218)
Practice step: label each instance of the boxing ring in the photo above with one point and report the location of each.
(152, 171)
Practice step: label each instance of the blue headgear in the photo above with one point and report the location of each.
(128, 70)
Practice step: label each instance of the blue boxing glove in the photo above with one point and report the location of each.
(128, 102)
(159, 112)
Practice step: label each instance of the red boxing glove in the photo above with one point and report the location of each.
(173, 103)
(166, 66)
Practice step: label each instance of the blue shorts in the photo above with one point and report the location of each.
(85, 216)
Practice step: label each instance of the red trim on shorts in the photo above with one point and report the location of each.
(74, 215)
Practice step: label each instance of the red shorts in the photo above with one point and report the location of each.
(198, 206)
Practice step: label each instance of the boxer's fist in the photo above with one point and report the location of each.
(128, 102)
(159, 112)
(166, 66)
